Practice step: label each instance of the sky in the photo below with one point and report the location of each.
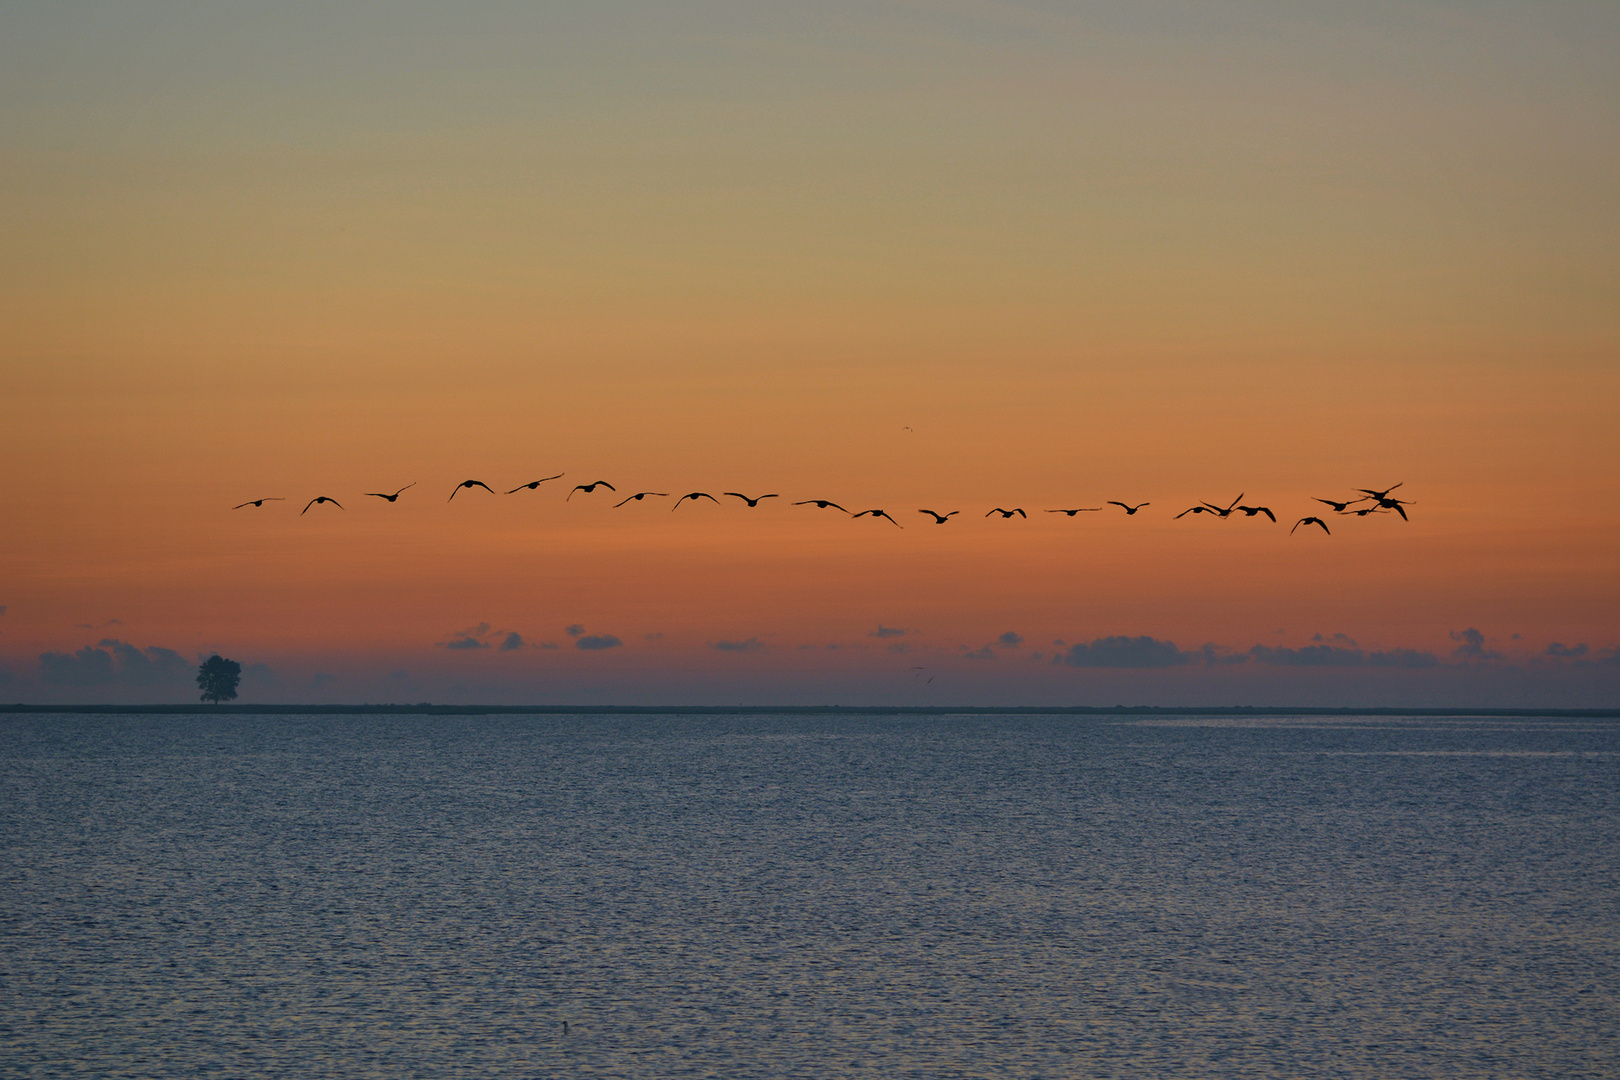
(897, 255)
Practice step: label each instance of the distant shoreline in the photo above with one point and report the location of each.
(785, 710)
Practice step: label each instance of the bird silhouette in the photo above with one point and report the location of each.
(395, 495)
(1196, 510)
(1379, 494)
(638, 496)
(1129, 509)
(751, 502)
(1008, 513)
(1310, 521)
(1364, 511)
(470, 484)
(588, 488)
(257, 502)
(694, 496)
(319, 499)
(1250, 511)
(1076, 510)
(823, 503)
(532, 484)
(1397, 505)
(939, 519)
(1338, 507)
(881, 514)
(1225, 512)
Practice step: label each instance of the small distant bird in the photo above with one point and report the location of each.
(1250, 511)
(1338, 507)
(395, 495)
(1379, 494)
(1008, 513)
(588, 488)
(1364, 511)
(823, 503)
(470, 484)
(694, 496)
(1310, 521)
(940, 519)
(1076, 510)
(751, 502)
(1224, 512)
(1397, 505)
(319, 499)
(257, 502)
(1196, 510)
(638, 496)
(532, 484)
(881, 514)
(1127, 509)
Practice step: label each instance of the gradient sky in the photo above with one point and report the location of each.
(901, 255)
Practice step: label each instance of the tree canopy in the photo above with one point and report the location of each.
(218, 677)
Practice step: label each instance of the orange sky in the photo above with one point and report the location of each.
(895, 257)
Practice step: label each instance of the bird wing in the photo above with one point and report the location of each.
(1401, 510)
(1019, 510)
(607, 485)
(1266, 510)
(1190, 510)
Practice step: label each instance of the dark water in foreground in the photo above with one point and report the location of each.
(406, 896)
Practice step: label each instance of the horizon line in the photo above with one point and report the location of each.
(427, 708)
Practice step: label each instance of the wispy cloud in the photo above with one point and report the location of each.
(1010, 640)
(596, 641)
(1560, 649)
(575, 631)
(888, 631)
(750, 645)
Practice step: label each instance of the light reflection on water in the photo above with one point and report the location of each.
(807, 896)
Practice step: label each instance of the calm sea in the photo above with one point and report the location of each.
(737, 896)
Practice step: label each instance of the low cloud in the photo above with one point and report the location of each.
(1473, 646)
(470, 638)
(1560, 649)
(595, 641)
(1333, 656)
(1336, 639)
(888, 631)
(750, 645)
(654, 636)
(1213, 654)
(115, 663)
(575, 631)
(1011, 640)
(985, 653)
(513, 640)
(1126, 652)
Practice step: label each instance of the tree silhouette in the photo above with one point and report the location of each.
(218, 678)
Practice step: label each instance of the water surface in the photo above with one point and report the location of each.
(808, 896)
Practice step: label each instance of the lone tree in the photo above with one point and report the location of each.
(218, 678)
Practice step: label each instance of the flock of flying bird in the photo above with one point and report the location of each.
(1381, 502)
